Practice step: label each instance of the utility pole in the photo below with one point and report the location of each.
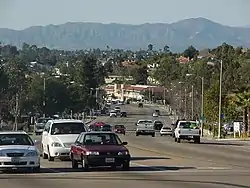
(185, 108)
(44, 96)
(164, 96)
(202, 106)
(219, 122)
(192, 113)
(16, 113)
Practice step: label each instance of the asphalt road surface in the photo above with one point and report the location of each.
(157, 162)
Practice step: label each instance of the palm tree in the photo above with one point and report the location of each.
(242, 100)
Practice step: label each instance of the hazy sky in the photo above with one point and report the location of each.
(19, 14)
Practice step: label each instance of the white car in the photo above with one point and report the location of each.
(58, 136)
(17, 150)
(113, 113)
(166, 131)
(155, 114)
(145, 127)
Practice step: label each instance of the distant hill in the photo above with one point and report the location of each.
(200, 32)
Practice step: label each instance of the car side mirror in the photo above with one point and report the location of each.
(124, 143)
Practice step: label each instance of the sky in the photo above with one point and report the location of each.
(20, 14)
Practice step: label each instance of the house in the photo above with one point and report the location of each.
(183, 60)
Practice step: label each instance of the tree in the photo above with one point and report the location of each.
(190, 52)
(150, 47)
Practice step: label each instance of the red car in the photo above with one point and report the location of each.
(99, 149)
(120, 129)
(99, 124)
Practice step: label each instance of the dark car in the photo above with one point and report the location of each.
(120, 129)
(123, 114)
(106, 127)
(97, 149)
(140, 105)
(158, 125)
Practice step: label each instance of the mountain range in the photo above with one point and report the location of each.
(199, 32)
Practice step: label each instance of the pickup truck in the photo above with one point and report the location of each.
(187, 130)
(145, 127)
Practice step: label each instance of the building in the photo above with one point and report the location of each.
(110, 79)
(122, 91)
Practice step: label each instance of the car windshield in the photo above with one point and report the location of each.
(67, 128)
(145, 121)
(43, 120)
(15, 139)
(188, 125)
(101, 139)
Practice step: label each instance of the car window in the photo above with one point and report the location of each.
(67, 128)
(145, 121)
(119, 126)
(101, 139)
(15, 139)
(79, 138)
(188, 125)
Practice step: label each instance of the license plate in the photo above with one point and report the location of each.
(110, 160)
(15, 159)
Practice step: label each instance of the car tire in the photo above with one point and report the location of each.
(126, 166)
(49, 157)
(137, 134)
(153, 135)
(178, 140)
(74, 162)
(161, 134)
(85, 166)
(197, 140)
(175, 139)
(44, 155)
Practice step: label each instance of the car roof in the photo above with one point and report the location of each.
(13, 132)
(65, 121)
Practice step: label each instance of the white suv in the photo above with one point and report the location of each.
(57, 137)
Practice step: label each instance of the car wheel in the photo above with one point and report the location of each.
(74, 162)
(44, 155)
(175, 139)
(49, 157)
(85, 166)
(153, 135)
(161, 134)
(137, 134)
(178, 140)
(126, 166)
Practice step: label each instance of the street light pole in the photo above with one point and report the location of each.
(202, 106)
(219, 122)
(192, 113)
(185, 107)
(44, 96)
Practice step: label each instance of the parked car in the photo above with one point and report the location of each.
(57, 137)
(120, 129)
(39, 125)
(99, 149)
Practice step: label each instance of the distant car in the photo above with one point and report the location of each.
(120, 129)
(113, 113)
(117, 109)
(145, 127)
(158, 112)
(123, 114)
(99, 124)
(97, 149)
(106, 127)
(158, 125)
(140, 105)
(165, 130)
(57, 137)
(17, 150)
(155, 114)
(39, 125)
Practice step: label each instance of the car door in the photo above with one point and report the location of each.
(45, 136)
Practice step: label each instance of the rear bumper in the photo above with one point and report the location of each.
(145, 132)
(166, 133)
(101, 160)
(189, 137)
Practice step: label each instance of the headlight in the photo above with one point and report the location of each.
(32, 154)
(56, 144)
(92, 153)
(123, 153)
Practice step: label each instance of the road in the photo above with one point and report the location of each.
(156, 162)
